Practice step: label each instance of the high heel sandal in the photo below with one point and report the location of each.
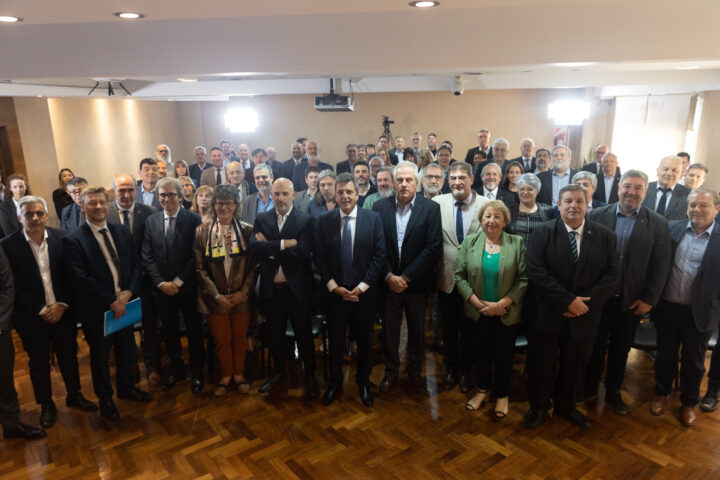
(501, 410)
(477, 401)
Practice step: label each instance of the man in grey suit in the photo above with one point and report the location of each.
(260, 201)
(126, 211)
(304, 197)
(666, 196)
(216, 175)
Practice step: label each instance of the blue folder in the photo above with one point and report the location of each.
(133, 314)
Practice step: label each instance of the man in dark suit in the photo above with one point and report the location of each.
(72, 216)
(149, 174)
(288, 166)
(552, 181)
(200, 165)
(589, 181)
(216, 174)
(397, 152)
(526, 156)
(126, 211)
(350, 255)
(42, 297)
(608, 179)
(666, 196)
(283, 241)
(346, 166)
(643, 244)
(489, 185)
(361, 172)
(9, 405)
(413, 239)
(312, 160)
(259, 157)
(483, 138)
(103, 267)
(596, 165)
(236, 178)
(168, 258)
(690, 306)
(573, 267)
(260, 201)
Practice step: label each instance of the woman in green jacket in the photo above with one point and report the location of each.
(490, 276)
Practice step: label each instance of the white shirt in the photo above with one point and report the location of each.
(130, 211)
(351, 218)
(667, 198)
(608, 186)
(108, 258)
(281, 219)
(177, 280)
(42, 258)
(467, 212)
(402, 218)
(490, 194)
(578, 234)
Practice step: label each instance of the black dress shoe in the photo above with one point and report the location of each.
(108, 409)
(533, 418)
(710, 401)
(450, 379)
(366, 396)
(577, 418)
(48, 414)
(197, 384)
(614, 400)
(438, 345)
(312, 389)
(418, 383)
(80, 402)
(330, 395)
(388, 383)
(21, 430)
(274, 382)
(466, 382)
(134, 394)
(172, 380)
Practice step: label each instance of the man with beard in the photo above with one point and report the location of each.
(260, 201)
(384, 181)
(236, 178)
(288, 166)
(346, 166)
(666, 196)
(163, 154)
(432, 180)
(459, 211)
(324, 200)
(303, 199)
(313, 160)
(552, 181)
(542, 160)
(432, 143)
(361, 172)
(228, 153)
(483, 139)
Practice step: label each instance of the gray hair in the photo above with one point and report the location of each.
(573, 187)
(35, 199)
(384, 168)
(635, 174)
(529, 179)
(561, 146)
(489, 165)
(200, 147)
(695, 191)
(326, 173)
(433, 165)
(528, 139)
(584, 174)
(500, 140)
(164, 182)
(226, 192)
(409, 165)
(263, 166)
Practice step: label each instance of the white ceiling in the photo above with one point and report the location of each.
(250, 47)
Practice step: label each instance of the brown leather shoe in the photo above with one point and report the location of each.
(687, 415)
(658, 404)
(154, 377)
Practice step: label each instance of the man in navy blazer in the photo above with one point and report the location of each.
(689, 309)
(413, 239)
(608, 179)
(558, 176)
(168, 259)
(105, 271)
(200, 165)
(283, 242)
(42, 297)
(72, 216)
(350, 254)
(313, 159)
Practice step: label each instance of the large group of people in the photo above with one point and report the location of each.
(495, 247)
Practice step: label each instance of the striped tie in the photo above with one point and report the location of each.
(573, 246)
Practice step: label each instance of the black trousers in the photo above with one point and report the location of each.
(9, 406)
(714, 373)
(414, 305)
(123, 345)
(555, 365)
(457, 347)
(151, 338)
(37, 336)
(675, 326)
(495, 344)
(615, 337)
(360, 316)
(170, 308)
(283, 306)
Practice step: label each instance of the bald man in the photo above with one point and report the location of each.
(666, 196)
(283, 242)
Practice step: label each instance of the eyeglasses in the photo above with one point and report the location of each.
(167, 195)
(225, 204)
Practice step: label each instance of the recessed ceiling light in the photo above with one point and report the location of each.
(187, 80)
(129, 15)
(424, 4)
(687, 67)
(7, 19)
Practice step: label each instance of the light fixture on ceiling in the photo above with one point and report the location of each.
(8, 19)
(687, 67)
(129, 15)
(569, 112)
(187, 80)
(424, 4)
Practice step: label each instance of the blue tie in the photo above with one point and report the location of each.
(459, 222)
(573, 246)
(126, 219)
(346, 259)
(663, 200)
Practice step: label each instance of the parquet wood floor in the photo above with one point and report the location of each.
(406, 435)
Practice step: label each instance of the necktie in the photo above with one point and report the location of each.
(459, 222)
(126, 218)
(346, 254)
(490, 196)
(573, 246)
(218, 177)
(169, 233)
(113, 253)
(527, 164)
(663, 200)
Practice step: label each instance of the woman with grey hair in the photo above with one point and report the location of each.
(526, 214)
(226, 273)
